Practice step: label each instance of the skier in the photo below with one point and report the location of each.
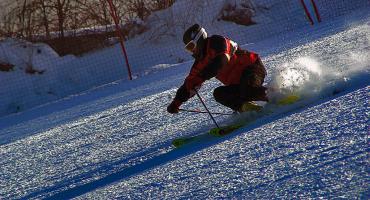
(241, 72)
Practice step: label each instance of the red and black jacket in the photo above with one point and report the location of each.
(212, 62)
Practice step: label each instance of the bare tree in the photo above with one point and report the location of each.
(161, 4)
(93, 13)
(61, 7)
(7, 25)
(44, 8)
(22, 16)
(140, 8)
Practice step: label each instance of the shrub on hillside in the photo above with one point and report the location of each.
(6, 67)
(238, 13)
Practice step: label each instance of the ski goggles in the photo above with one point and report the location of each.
(190, 46)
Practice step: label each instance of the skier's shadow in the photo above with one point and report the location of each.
(125, 173)
(160, 160)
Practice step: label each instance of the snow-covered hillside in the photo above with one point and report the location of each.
(114, 142)
(152, 52)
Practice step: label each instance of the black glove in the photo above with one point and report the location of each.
(174, 107)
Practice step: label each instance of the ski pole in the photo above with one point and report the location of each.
(201, 112)
(201, 100)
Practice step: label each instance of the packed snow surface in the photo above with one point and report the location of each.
(319, 152)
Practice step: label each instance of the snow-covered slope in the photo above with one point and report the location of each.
(156, 50)
(321, 152)
(114, 142)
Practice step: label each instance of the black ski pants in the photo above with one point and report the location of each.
(249, 89)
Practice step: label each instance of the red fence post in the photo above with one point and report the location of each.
(113, 13)
(307, 12)
(316, 11)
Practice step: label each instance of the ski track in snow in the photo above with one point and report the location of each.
(325, 156)
(118, 146)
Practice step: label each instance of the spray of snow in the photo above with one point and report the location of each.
(307, 77)
(345, 67)
(356, 71)
(302, 76)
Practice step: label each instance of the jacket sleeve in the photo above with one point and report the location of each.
(196, 76)
(182, 95)
(192, 82)
(195, 79)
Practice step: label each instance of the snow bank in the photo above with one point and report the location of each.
(22, 54)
